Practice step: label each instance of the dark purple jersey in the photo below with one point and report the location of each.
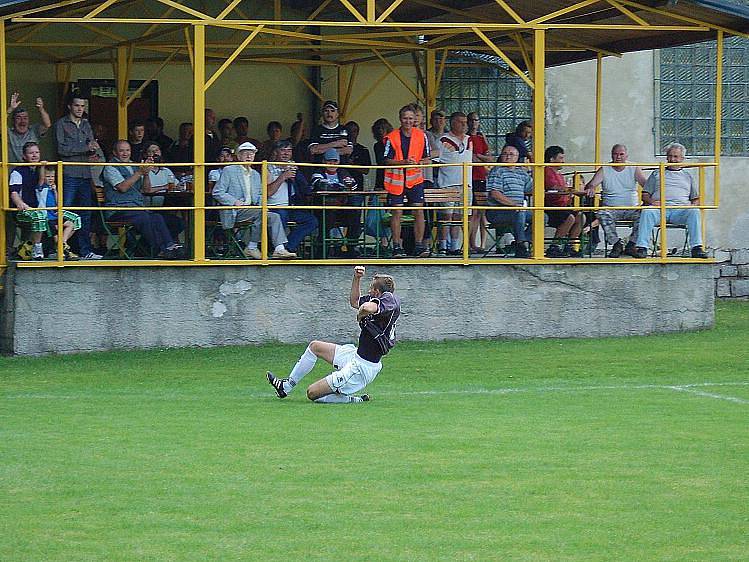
(378, 330)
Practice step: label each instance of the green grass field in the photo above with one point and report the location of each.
(610, 449)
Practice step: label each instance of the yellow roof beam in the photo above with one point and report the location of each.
(185, 9)
(226, 11)
(30, 11)
(231, 58)
(504, 57)
(99, 9)
(306, 82)
(389, 10)
(512, 13)
(627, 12)
(397, 74)
(563, 11)
(685, 19)
(150, 79)
(350, 7)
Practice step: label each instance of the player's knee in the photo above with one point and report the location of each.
(315, 347)
(310, 394)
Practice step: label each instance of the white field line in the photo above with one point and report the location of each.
(710, 395)
(691, 388)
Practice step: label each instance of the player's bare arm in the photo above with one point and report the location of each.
(359, 271)
(366, 309)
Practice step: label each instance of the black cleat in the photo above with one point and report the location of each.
(365, 398)
(277, 384)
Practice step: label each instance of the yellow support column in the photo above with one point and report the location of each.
(599, 89)
(4, 197)
(123, 80)
(199, 141)
(539, 126)
(718, 115)
(431, 81)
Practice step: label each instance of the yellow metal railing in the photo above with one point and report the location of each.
(199, 207)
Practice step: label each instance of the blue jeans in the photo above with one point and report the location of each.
(77, 192)
(306, 224)
(519, 220)
(651, 217)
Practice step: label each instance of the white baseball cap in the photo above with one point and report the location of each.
(246, 146)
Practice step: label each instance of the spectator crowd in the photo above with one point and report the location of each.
(137, 175)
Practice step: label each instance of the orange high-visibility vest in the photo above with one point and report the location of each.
(394, 178)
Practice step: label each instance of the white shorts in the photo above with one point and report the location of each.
(352, 372)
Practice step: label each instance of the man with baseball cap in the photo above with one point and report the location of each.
(240, 185)
(330, 134)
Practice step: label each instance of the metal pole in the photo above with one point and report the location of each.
(431, 81)
(662, 176)
(264, 211)
(4, 197)
(718, 112)
(199, 142)
(539, 102)
(466, 241)
(60, 220)
(123, 81)
(599, 89)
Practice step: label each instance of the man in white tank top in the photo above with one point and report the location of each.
(618, 189)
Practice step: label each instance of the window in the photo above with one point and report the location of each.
(502, 100)
(685, 88)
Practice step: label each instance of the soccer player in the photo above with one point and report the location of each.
(355, 367)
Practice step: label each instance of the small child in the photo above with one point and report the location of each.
(46, 193)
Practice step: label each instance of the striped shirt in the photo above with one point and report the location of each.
(513, 183)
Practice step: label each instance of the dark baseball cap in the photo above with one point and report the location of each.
(330, 103)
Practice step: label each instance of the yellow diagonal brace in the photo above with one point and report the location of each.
(226, 11)
(350, 7)
(515, 68)
(306, 82)
(231, 58)
(563, 11)
(512, 13)
(166, 14)
(103, 6)
(188, 42)
(627, 12)
(679, 17)
(455, 11)
(441, 71)
(34, 29)
(398, 76)
(370, 89)
(389, 10)
(185, 9)
(104, 32)
(154, 74)
(41, 9)
(524, 52)
(587, 47)
(351, 78)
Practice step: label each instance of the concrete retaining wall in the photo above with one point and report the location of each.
(83, 309)
(732, 274)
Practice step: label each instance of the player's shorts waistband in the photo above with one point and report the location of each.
(360, 358)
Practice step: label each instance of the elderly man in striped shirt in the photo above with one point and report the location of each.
(507, 186)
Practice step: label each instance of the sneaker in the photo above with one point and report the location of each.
(422, 251)
(640, 252)
(36, 252)
(68, 253)
(277, 384)
(699, 252)
(554, 251)
(616, 249)
(442, 252)
(569, 252)
(24, 251)
(253, 253)
(283, 254)
(399, 252)
(521, 251)
(455, 252)
(91, 256)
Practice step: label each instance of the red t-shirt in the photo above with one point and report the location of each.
(480, 146)
(555, 180)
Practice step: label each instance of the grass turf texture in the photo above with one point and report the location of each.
(488, 450)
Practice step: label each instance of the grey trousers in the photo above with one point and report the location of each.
(608, 220)
(252, 234)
